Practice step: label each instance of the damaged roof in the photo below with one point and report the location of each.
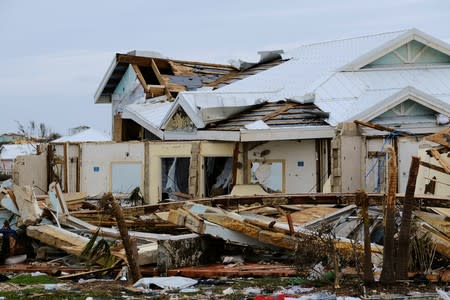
(341, 80)
(163, 76)
(272, 115)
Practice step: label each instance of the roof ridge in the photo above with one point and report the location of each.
(354, 37)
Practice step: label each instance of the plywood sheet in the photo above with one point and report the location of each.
(309, 214)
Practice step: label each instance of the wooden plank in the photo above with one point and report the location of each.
(381, 127)
(442, 137)
(433, 167)
(442, 161)
(405, 227)
(194, 167)
(161, 80)
(280, 110)
(140, 77)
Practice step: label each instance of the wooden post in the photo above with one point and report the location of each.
(405, 227)
(367, 266)
(66, 167)
(129, 245)
(387, 274)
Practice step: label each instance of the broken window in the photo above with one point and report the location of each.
(175, 176)
(218, 175)
(269, 175)
(125, 177)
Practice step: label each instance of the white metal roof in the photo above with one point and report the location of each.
(11, 151)
(148, 115)
(88, 135)
(327, 73)
(346, 95)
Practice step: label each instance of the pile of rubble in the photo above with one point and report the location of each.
(280, 235)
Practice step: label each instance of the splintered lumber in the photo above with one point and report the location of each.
(74, 222)
(129, 244)
(440, 223)
(59, 238)
(388, 273)
(30, 213)
(381, 127)
(405, 227)
(367, 266)
(309, 214)
(440, 240)
(442, 161)
(191, 221)
(74, 244)
(441, 137)
(276, 238)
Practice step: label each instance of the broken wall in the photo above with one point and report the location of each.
(430, 181)
(31, 170)
(66, 167)
(346, 171)
(111, 166)
(297, 160)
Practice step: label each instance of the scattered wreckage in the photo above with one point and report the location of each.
(251, 233)
(199, 229)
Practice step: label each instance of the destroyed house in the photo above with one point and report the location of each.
(191, 129)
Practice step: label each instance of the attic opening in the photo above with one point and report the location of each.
(411, 53)
(218, 175)
(174, 176)
(180, 121)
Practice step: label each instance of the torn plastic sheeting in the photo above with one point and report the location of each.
(171, 282)
(224, 178)
(257, 125)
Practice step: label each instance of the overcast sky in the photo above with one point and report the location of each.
(53, 54)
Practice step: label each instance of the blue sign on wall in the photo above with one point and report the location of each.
(96, 169)
(300, 163)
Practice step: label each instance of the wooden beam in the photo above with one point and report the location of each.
(140, 77)
(279, 111)
(66, 167)
(381, 127)
(441, 160)
(161, 80)
(442, 138)
(433, 167)
(405, 227)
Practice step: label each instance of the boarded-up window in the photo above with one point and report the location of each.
(217, 175)
(125, 176)
(175, 176)
(269, 175)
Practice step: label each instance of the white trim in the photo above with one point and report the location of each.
(399, 97)
(425, 129)
(145, 124)
(98, 94)
(211, 135)
(393, 44)
(291, 133)
(180, 101)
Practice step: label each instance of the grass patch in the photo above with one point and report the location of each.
(34, 293)
(25, 279)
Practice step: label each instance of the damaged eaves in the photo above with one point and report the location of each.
(279, 114)
(162, 76)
